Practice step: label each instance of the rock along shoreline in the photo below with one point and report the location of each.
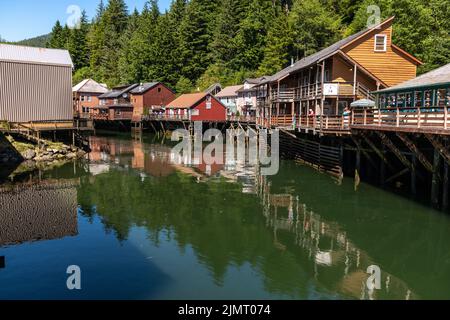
(30, 157)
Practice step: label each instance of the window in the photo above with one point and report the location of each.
(208, 103)
(408, 100)
(380, 43)
(159, 89)
(428, 94)
(392, 100)
(82, 98)
(327, 76)
(382, 101)
(89, 99)
(441, 97)
(418, 99)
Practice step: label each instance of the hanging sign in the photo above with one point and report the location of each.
(331, 89)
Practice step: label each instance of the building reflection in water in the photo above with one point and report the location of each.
(327, 246)
(36, 211)
(324, 244)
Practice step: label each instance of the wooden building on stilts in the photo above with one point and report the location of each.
(324, 84)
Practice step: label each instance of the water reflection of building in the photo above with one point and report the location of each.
(160, 160)
(332, 254)
(152, 160)
(43, 211)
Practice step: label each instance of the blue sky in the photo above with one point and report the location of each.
(23, 19)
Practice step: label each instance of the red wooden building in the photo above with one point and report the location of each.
(150, 98)
(197, 107)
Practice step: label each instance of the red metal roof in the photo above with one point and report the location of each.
(187, 101)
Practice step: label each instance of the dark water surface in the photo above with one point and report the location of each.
(141, 228)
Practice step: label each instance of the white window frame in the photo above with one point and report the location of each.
(385, 42)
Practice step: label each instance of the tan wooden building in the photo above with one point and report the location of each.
(326, 83)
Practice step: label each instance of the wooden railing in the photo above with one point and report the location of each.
(169, 117)
(412, 118)
(282, 121)
(315, 90)
(325, 123)
(100, 116)
(241, 119)
(402, 119)
(283, 95)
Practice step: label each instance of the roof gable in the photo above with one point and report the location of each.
(327, 52)
(89, 86)
(32, 55)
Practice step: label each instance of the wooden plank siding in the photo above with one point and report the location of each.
(342, 71)
(392, 67)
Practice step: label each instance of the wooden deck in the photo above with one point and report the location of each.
(409, 120)
(48, 126)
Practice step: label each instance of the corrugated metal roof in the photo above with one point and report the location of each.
(437, 76)
(90, 86)
(13, 53)
(230, 91)
(144, 87)
(187, 101)
(213, 87)
(118, 93)
(256, 80)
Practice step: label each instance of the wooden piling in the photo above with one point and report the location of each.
(435, 179)
(414, 175)
(445, 187)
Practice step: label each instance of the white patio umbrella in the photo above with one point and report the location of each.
(363, 103)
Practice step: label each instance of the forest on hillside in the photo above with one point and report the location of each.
(199, 42)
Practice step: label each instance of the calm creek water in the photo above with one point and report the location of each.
(142, 228)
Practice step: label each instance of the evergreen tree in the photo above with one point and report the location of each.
(105, 39)
(231, 13)
(278, 47)
(313, 27)
(436, 46)
(129, 66)
(251, 38)
(198, 42)
(100, 10)
(195, 35)
(57, 37)
(77, 43)
(184, 85)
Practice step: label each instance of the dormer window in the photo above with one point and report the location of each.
(380, 43)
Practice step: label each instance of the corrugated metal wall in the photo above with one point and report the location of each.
(35, 92)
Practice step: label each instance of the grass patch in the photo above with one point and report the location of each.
(4, 125)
